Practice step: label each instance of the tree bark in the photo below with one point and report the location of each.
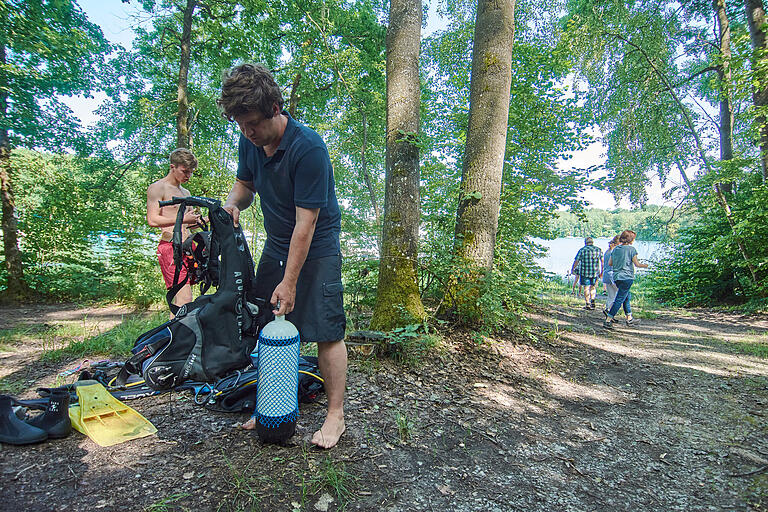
(477, 216)
(17, 289)
(756, 22)
(726, 87)
(398, 301)
(183, 139)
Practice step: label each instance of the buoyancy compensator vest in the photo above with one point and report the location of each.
(213, 335)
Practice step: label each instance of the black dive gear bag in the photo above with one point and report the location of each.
(213, 335)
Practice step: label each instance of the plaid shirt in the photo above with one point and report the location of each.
(589, 258)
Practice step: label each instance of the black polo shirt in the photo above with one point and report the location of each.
(298, 174)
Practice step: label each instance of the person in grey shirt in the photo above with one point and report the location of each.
(623, 260)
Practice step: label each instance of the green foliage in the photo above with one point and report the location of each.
(409, 344)
(404, 426)
(706, 267)
(166, 504)
(49, 49)
(333, 476)
(84, 238)
(360, 277)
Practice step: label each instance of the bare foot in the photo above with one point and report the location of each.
(330, 432)
(249, 425)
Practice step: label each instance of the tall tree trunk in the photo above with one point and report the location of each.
(17, 289)
(398, 301)
(182, 92)
(756, 22)
(726, 87)
(477, 217)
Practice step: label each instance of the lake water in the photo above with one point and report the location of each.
(562, 251)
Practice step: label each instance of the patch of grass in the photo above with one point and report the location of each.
(558, 292)
(756, 345)
(243, 493)
(757, 493)
(167, 504)
(333, 477)
(81, 341)
(404, 426)
(408, 345)
(10, 338)
(756, 348)
(368, 365)
(12, 386)
(643, 313)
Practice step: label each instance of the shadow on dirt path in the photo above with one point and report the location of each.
(559, 415)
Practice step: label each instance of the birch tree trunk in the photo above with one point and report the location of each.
(398, 301)
(477, 217)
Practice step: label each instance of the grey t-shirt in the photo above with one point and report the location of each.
(623, 268)
(607, 269)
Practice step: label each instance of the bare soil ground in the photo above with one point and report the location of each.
(663, 416)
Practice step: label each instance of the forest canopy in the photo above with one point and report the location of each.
(675, 90)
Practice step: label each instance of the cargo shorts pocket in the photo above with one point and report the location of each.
(333, 299)
(331, 289)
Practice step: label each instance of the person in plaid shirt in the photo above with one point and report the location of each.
(590, 262)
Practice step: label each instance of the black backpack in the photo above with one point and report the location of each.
(214, 334)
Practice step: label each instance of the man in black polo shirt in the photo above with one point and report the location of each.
(288, 165)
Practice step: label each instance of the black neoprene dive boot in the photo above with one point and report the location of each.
(55, 419)
(15, 431)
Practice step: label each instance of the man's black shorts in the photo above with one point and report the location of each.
(319, 310)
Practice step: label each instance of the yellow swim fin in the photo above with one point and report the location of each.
(104, 418)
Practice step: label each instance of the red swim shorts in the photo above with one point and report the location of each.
(165, 257)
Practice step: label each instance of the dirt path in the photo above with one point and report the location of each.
(561, 416)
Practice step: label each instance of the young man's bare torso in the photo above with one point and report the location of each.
(183, 164)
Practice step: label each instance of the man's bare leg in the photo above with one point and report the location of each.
(332, 360)
(183, 296)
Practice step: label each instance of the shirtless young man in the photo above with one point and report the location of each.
(183, 164)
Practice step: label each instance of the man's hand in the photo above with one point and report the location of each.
(285, 297)
(234, 212)
(239, 198)
(191, 217)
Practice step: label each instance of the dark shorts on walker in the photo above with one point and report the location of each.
(319, 310)
(588, 281)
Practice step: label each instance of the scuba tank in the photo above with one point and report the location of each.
(277, 404)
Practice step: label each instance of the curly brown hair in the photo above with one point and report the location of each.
(248, 88)
(183, 156)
